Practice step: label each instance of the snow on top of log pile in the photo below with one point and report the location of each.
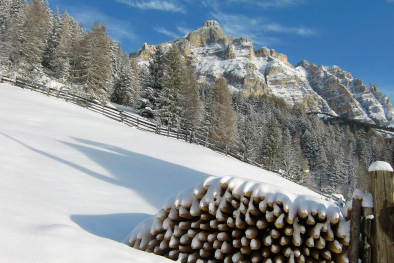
(380, 166)
(236, 216)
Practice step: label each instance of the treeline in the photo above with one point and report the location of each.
(38, 44)
(34, 43)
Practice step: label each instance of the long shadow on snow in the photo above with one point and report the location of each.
(112, 226)
(153, 179)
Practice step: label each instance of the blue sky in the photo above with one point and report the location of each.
(356, 35)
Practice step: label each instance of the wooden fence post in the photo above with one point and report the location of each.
(355, 228)
(382, 236)
(121, 116)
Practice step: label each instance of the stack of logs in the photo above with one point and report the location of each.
(219, 224)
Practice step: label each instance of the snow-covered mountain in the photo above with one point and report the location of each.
(325, 89)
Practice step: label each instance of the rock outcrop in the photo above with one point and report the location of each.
(348, 96)
(325, 89)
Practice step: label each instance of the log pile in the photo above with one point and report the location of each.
(235, 220)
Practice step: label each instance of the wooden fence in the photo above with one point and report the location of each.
(141, 123)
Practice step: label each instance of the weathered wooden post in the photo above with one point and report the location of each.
(355, 228)
(382, 236)
(121, 116)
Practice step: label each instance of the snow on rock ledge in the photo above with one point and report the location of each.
(380, 166)
(231, 219)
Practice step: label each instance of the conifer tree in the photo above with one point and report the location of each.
(36, 30)
(156, 69)
(61, 54)
(191, 105)
(126, 89)
(11, 32)
(171, 99)
(223, 126)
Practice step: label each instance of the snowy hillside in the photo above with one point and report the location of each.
(74, 183)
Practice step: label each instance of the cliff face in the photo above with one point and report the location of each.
(325, 89)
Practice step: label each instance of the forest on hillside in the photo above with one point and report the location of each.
(42, 45)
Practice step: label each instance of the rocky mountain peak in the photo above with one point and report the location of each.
(318, 88)
(211, 23)
(209, 33)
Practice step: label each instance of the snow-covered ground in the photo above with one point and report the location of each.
(73, 183)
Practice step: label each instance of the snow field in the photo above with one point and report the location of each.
(75, 183)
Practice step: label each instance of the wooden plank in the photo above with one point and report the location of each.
(382, 236)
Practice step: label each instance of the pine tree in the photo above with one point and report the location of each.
(92, 63)
(156, 69)
(171, 100)
(53, 38)
(274, 141)
(288, 157)
(36, 30)
(223, 126)
(192, 108)
(126, 89)
(59, 59)
(11, 33)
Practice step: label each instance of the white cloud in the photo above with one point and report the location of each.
(262, 3)
(166, 32)
(181, 31)
(162, 5)
(257, 29)
(243, 26)
(117, 29)
(301, 31)
(279, 3)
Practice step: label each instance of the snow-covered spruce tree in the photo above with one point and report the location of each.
(171, 98)
(288, 158)
(36, 29)
(205, 91)
(126, 88)
(274, 142)
(53, 38)
(155, 78)
(59, 58)
(11, 33)
(248, 134)
(223, 125)
(309, 146)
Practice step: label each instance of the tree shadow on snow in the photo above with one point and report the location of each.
(113, 226)
(153, 179)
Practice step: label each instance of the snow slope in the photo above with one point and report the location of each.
(74, 183)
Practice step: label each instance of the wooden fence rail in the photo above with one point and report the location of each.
(141, 123)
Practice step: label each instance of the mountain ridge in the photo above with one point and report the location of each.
(325, 89)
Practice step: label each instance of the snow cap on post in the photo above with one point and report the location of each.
(380, 166)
